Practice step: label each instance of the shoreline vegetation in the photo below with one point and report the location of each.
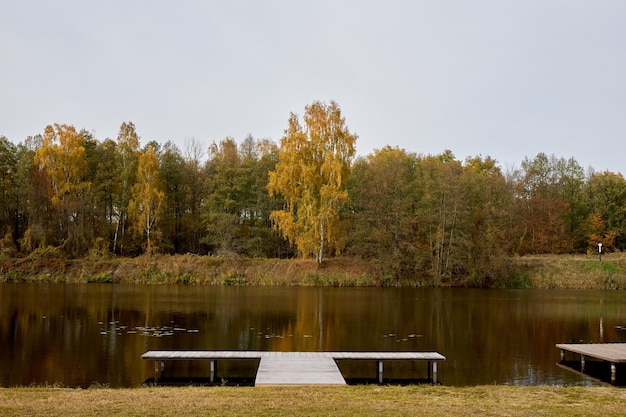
(416, 400)
(79, 209)
(522, 272)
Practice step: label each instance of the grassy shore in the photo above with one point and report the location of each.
(570, 271)
(551, 271)
(315, 401)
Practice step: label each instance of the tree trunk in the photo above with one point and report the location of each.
(321, 250)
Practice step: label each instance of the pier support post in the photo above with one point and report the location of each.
(435, 372)
(562, 355)
(159, 366)
(613, 372)
(379, 371)
(213, 370)
(582, 363)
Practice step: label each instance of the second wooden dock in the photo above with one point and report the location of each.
(613, 353)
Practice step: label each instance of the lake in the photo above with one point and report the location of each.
(79, 335)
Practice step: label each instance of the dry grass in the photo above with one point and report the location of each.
(315, 401)
(545, 271)
(573, 271)
(189, 269)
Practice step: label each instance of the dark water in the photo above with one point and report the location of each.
(80, 335)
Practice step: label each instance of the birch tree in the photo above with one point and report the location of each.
(127, 155)
(62, 158)
(147, 197)
(314, 165)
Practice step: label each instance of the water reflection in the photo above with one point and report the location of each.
(78, 335)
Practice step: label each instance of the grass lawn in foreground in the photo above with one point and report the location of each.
(423, 400)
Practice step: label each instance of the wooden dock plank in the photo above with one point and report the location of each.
(172, 355)
(219, 354)
(286, 370)
(417, 356)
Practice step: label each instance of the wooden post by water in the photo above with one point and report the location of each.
(613, 372)
(213, 370)
(159, 366)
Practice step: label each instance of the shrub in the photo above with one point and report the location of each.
(102, 278)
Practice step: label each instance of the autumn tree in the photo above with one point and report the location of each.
(8, 196)
(486, 198)
(8, 167)
(383, 211)
(62, 158)
(440, 212)
(172, 173)
(33, 198)
(598, 235)
(314, 165)
(429, 217)
(127, 160)
(606, 222)
(195, 182)
(104, 173)
(265, 239)
(225, 196)
(236, 205)
(144, 208)
(571, 186)
(544, 208)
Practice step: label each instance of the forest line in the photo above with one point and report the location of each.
(68, 194)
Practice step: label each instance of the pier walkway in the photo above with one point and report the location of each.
(294, 368)
(613, 353)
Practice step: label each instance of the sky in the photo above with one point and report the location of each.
(501, 78)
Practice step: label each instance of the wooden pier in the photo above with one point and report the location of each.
(613, 353)
(298, 370)
(294, 368)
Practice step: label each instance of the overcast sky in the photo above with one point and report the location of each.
(500, 78)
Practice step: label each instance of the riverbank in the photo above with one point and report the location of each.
(421, 400)
(550, 271)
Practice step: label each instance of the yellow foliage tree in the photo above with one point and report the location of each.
(62, 158)
(127, 157)
(147, 197)
(313, 168)
(599, 234)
